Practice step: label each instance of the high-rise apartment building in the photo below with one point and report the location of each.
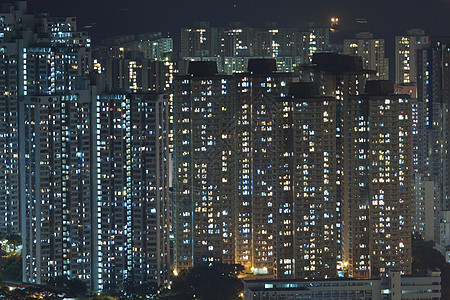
(204, 175)
(313, 39)
(13, 37)
(56, 186)
(375, 207)
(87, 180)
(433, 94)
(377, 182)
(425, 201)
(233, 46)
(274, 41)
(40, 55)
(256, 184)
(424, 216)
(224, 209)
(237, 41)
(158, 49)
(95, 188)
(55, 190)
(152, 46)
(62, 30)
(132, 211)
(137, 74)
(143, 63)
(425, 205)
(201, 40)
(230, 65)
(256, 202)
(139, 63)
(273, 175)
(54, 69)
(406, 48)
(372, 53)
(306, 214)
(53, 138)
(320, 179)
(338, 76)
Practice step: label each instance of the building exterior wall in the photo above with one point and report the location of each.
(133, 201)
(372, 51)
(306, 218)
(379, 175)
(204, 212)
(256, 167)
(56, 178)
(393, 287)
(406, 55)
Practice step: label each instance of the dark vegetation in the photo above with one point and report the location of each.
(425, 257)
(206, 282)
(11, 261)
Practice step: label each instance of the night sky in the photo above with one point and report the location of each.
(118, 17)
(385, 18)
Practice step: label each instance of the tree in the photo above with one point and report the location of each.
(214, 281)
(12, 267)
(425, 257)
(74, 285)
(3, 288)
(77, 286)
(103, 297)
(11, 258)
(140, 290)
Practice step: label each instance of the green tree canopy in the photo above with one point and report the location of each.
(425, 257)
(205, 282)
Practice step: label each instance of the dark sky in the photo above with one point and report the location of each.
(385, 17)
